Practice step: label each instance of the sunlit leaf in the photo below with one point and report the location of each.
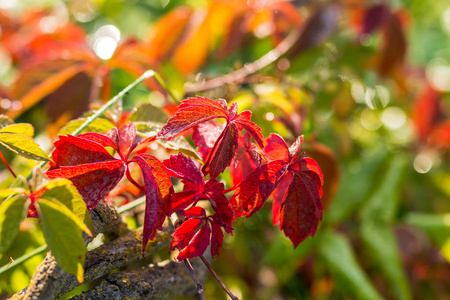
(63, 236)
(23, 145)
(12, 212)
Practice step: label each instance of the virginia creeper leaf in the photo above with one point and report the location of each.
(252, 193)
(191, 112)
(93, 181)
(23, 129)
(157, 189)
(184, 168)
(276, 147)
(98, 126)
(12, 212)
(65, 192)
(206, 134)
(225, 151)
(299, 215)
(23, 145)
(74, 150)
(197, 245)
(183, 234)
(216, 239)
(63, 236)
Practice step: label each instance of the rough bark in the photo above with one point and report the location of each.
(153, 282)
(48, 275)
(116, 254)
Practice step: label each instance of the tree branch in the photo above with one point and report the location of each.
(48, 275)
(118, 253)
(250, 68)
(166, 280)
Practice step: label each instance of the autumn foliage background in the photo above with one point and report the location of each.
(366, 82)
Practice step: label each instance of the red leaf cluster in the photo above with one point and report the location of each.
(259, 171)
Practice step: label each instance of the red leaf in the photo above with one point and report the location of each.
(225, 151)
(74, 150)
(216, 239)
(278, 195)
(243, 119)
(101, 139)
(276, 147)
(182, 200)
(252, 193)
(246, 159)
(197, 245)
(183, 167)
(195, 211)
(93, 180)
(157, 190)
(300, 212)
(191, 112)
(206, 134)
(295, 147)
(183, 234)
(128, 139)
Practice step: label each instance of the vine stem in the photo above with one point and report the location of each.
(218, 278)
(7, 165)
(191, 270)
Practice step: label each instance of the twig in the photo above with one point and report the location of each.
(191, 270)
(248, 69)
(222, 284)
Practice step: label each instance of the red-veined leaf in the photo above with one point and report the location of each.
(278, 195)
(191, 112)
(183, 234)
(197, 245)
(128, 139)
(93, 180)
(216, 239)
(243, 119)
(153, 195)
(195, 211)
(252, 193)
(183, 167)
(276, 147)
(225, 151)
(300, 213)
(206, 134)
(101, 139)
(74, 150)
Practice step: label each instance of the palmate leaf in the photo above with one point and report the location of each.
(23, 145)
(62, 233)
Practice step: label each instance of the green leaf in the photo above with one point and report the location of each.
(384, 253)
(336, 251)
(148, 129)
(23, 146)
(19, 182)
(98, 126)
(180, 144)
(437, 226)
(12, 212)
(5, 121)
(38, 179)
(355, 185)
(148, 113)
(23, 129)
(63, 236)
(9, 192)
(65, 192)
(382, 203)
